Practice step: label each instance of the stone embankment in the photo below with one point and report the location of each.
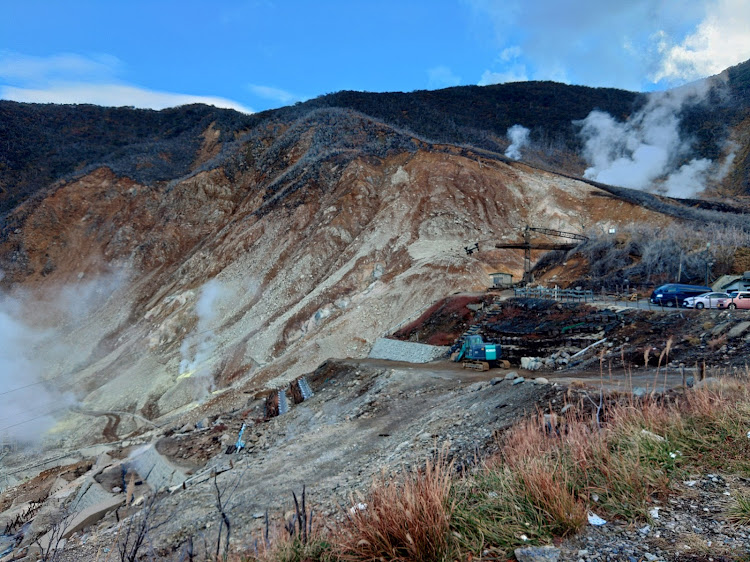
(395, 350)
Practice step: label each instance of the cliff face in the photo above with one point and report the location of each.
(166, 255)
(293, 251)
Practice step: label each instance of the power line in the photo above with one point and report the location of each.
(36, 407)
(33, 419)
(125, 356)
(32, 384)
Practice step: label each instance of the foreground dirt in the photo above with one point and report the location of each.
(369, 418)
(690, 526)
(365, 417)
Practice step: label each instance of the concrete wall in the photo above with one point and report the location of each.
(395, 350)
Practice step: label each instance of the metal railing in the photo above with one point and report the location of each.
(562, 295)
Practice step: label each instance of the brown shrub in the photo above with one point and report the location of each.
(406, 520)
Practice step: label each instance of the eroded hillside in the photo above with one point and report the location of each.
(261, 269)
(175, 309)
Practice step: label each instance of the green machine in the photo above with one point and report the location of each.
(476, 354)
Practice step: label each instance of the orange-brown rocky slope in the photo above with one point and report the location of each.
(295, 250)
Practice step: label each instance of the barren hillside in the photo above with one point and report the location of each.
(266, 270)
(145, 294)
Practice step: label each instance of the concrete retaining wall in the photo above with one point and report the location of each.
(155, 469)
(410, 352)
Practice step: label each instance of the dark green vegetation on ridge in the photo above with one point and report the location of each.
(41, 144)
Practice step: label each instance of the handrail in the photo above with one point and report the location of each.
(568, 295)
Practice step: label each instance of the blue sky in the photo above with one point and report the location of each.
(259, 54)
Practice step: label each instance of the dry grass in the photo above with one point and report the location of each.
(693, 341)
(543, 482)
(406, 520)
(284, 548)
(545, 479)
(739, 512)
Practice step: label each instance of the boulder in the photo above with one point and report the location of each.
(738, 330)
(537, 554)
(639, 392)
(531, 363)
(92, 514)
(710, 382)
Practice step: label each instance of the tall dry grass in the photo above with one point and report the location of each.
(546, 477)
(402, 520)
(543, 482)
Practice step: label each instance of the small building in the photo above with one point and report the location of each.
(727, 283)
(501, 280)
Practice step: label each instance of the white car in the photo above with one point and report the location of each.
(706, 300)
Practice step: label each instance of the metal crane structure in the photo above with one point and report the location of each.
(527, 245)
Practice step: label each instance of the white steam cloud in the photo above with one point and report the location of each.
(198, 347)
(643, 152)
(518, 135)
(24, 403)
(34, 364)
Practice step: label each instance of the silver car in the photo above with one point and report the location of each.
(706, 300)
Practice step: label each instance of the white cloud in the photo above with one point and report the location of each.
(113, 95)
(515, 74)
(36, 71)
(275, 94)
(74, 79)
(721, 40)
(636, 45)
(513, 69)
(442, 77)
(510, 53)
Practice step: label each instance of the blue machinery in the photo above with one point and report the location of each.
(478, 355)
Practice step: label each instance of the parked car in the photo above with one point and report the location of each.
(674, 294)
(740, 299)
(706, 300)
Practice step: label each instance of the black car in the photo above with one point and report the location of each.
(674, 294)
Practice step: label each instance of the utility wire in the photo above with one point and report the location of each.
(130, 354)
(34, 418)
(35, 409)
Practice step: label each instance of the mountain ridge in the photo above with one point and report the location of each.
(329, 225)
(49, 143)
(163, 275)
